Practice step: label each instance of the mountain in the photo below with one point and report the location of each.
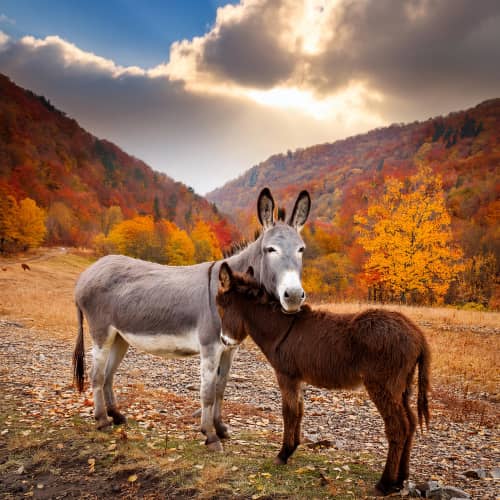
(347, 180)
(463, 147)
(48, 157)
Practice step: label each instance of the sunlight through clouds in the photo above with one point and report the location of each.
(349, 103)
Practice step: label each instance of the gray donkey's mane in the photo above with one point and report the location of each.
(238, 246)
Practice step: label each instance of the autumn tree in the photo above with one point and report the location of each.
(476, 281)
(8, 215)
(28, 227)
(407, 235)
(135, 237)
(110, 217)
(61, 224)
(205, 241)
(180, 250)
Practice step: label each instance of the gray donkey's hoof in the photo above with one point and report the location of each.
(222, 431)
(215, 446)
(103, 424)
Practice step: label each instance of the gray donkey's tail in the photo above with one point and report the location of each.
(79, 355)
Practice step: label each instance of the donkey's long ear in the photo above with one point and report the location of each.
(225, 277)
(300, 211)
(265, 208)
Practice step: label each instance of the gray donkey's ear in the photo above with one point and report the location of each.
(300, 211)
(265, 208)
(225, 277)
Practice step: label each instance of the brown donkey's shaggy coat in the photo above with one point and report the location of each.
(378, 348)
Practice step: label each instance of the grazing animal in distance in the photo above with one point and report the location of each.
(378, 348)
(25, 267)
(170, 311)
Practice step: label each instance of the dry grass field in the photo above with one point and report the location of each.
(35, 453)
(465, 344)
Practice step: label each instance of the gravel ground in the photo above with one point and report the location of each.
(38, 368)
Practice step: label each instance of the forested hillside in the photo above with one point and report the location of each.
(347, 179)
(83, 184)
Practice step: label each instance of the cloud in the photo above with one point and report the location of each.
(202, 139)
(4, 40)
(409, 51)
(6, 19)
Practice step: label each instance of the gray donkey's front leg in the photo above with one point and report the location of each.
(210, 359)
(226, 360)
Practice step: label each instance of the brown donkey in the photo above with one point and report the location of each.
(378, 348)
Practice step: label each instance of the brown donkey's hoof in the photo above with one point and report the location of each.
(382, 490)
(215, 446)
(279, 461)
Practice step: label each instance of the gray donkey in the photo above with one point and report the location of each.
(170, 311)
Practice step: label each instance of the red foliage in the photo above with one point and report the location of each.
(46, 156)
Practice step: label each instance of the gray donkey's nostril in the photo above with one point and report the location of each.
(287, 296)
(303, 296)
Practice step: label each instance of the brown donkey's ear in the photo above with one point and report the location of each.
(300, 211)
(250, 271)
(225, 277)
(265, 208)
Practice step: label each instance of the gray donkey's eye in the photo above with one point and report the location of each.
(301, 249)
(270, 249)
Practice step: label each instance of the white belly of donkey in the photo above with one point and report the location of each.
(167, 345)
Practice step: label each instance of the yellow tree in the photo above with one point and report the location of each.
(407, 236)
(206, 245)
(110, 217)
(8, 216)
(29, 225)
(179, 248)
(135, 237)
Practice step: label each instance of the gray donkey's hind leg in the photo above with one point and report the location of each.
(100, 356)
(226, 360)
(116, 354)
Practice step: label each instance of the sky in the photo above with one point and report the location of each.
(205, 89)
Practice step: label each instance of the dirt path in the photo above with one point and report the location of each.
(36, 256)
(160, 396)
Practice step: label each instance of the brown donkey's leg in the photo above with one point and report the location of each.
(396, 430)
(292, 408)
(301, 414)
(404, 465)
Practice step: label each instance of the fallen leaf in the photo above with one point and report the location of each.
(91, 462)
(132, 478)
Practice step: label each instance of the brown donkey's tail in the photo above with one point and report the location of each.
(79, 355)
(424, 366)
